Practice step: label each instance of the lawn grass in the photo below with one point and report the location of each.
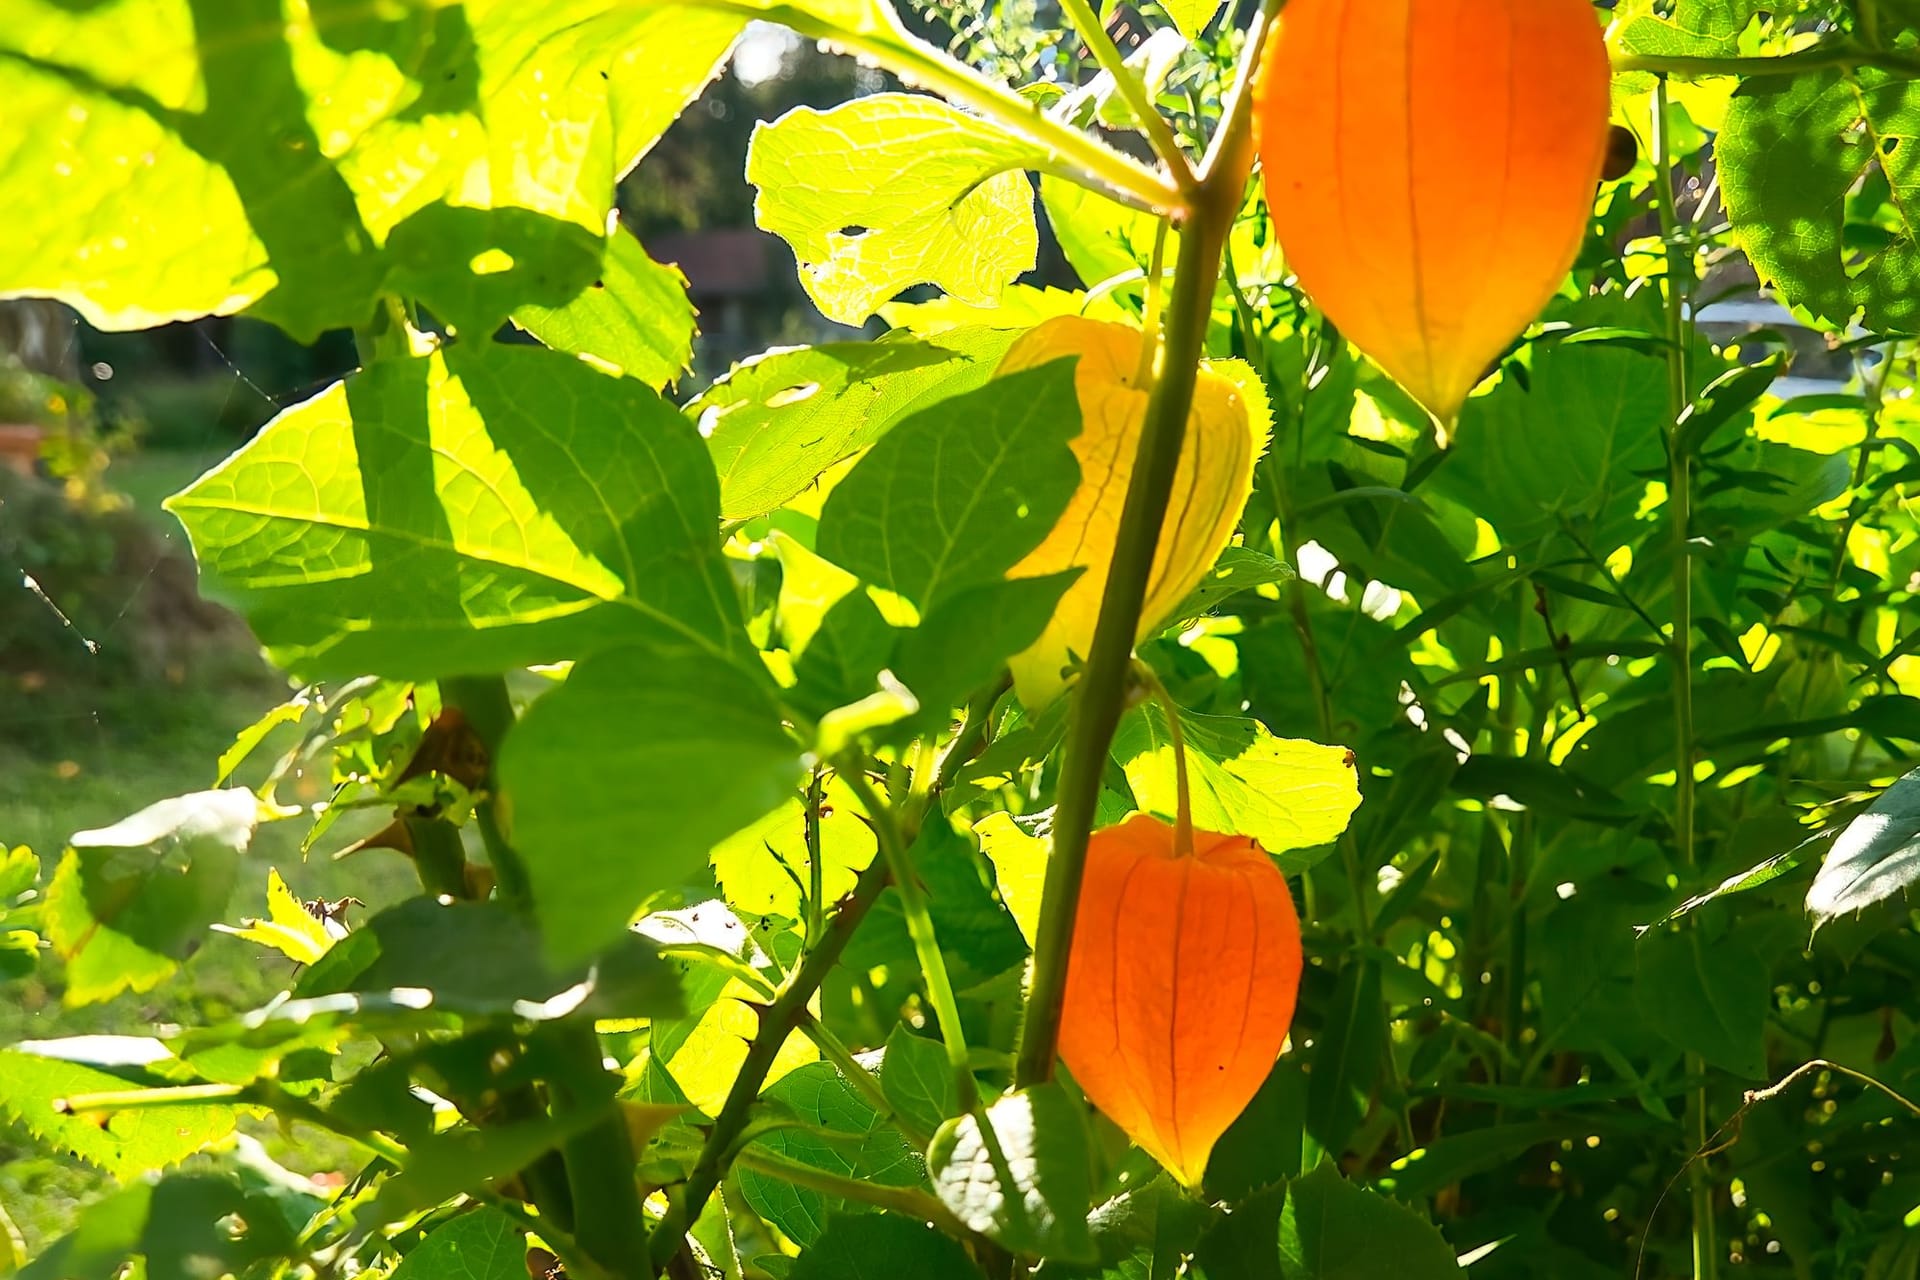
(77, 754)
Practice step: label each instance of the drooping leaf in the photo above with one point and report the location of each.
(128, 900)
(129, 1143)
(1332, 1229)
(301, 167)
(635, 317)
(1875, 857)
(484, 957)
(955, 495)
(872, 1150)
(1707, 997)
(1020, 1177)
(1290, 796)
(289, 928)
(882, 1246)
(471, 510)
(1793, 149)
(620, 781)
(777, 421)
(484, 1244)
(1226, 430)
(894, 190)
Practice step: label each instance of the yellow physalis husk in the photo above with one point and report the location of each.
(1227, 430)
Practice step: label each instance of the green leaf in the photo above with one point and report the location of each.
(129, 900)
(1019, 861)
(957, 494)
(894, 190)
(485, 957)
(1732, 393)
(882, 1246)
(484, 1244)
(779, 420)
(1687, 29)
(1347, 1054)
(1570, 446)
(621, 780)
(1793, 151)
(289, 928)
(129, 1144)
(1019, 1178)
(249, 739)
(1100, 237)
(1191, 16)
(966, 639)
(19, 869)
(1331, 1229)
(916, 1080)
(462, 154)
(1290, 796)
(476, 509)
(762, 868)
(977, 936)
(13, 1249)
(635, 318)
(1707, 997)
(1875, 857)
(872, 1150)
(1238, 569)
(187, 1227)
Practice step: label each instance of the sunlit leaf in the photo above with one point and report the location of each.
(478, 508)
(894, 190)
(635, 317)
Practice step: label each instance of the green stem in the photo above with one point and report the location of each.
(1133, 91)
(777, 1021)
(909, 1202)
(1100, 698)
(590, 1187)
(816, 873)
(1706, 1249)
(1842, 54)
(864, 1083)
(926, 946)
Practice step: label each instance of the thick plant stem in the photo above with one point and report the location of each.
(777, 1020)
(926, 947)
(1843, 54)
(590, 1187)
(1132, 90)
(1706, 1247)
(1101, 695)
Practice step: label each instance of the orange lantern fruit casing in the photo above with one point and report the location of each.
(1181, 981)
(1431, 168)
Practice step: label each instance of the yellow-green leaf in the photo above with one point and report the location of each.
(289, 927)
(1286, 794)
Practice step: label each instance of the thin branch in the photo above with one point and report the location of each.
(777, 1021)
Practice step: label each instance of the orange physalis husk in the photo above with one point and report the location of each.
(1227, 429)
(1431, 168)
(1180, 985)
